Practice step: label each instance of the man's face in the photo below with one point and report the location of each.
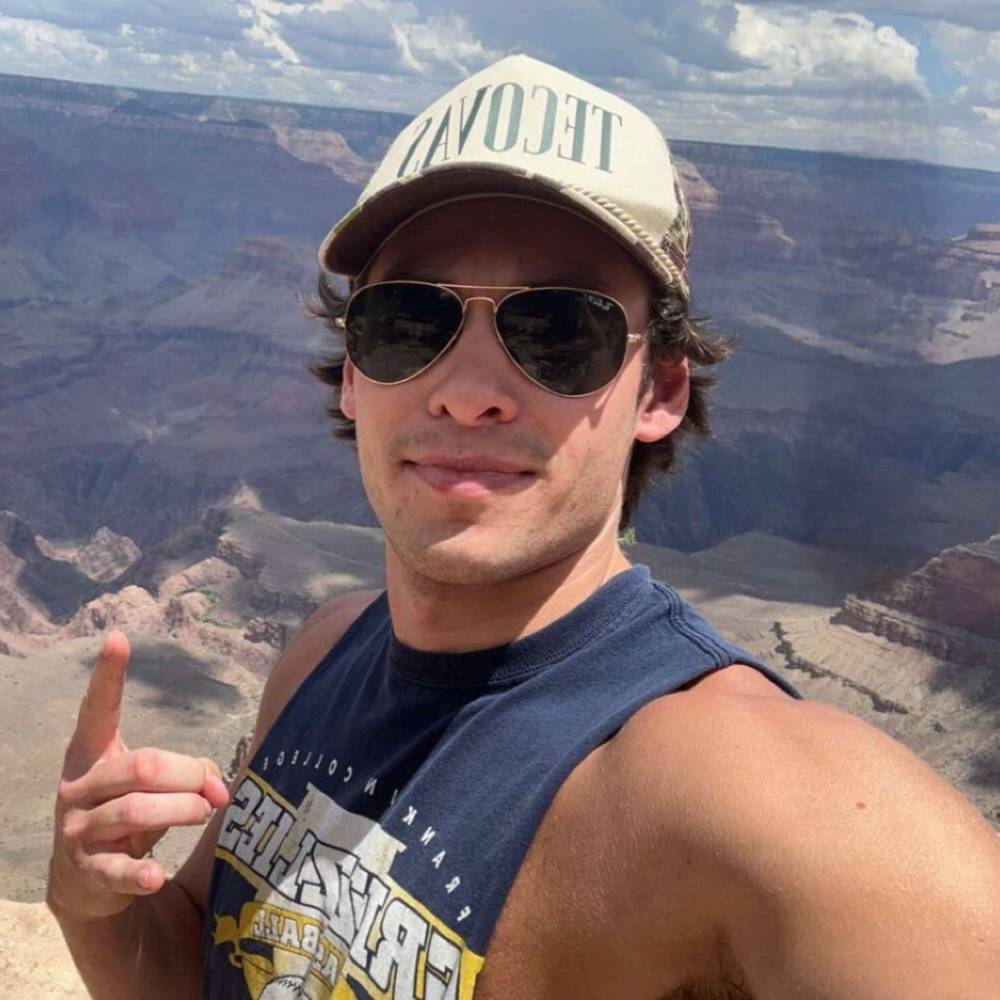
(569, 454)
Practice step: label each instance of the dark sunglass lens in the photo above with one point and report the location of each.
(395, 329)
(570, 341)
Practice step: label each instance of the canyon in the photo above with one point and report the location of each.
(168, 467)
(155, 250)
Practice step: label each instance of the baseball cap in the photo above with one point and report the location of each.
(523, 127)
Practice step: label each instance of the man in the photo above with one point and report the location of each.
(526, 769)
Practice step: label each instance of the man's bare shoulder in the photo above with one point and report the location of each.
(724, 745)
(807, 826)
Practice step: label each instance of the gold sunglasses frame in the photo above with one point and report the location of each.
(496, 303)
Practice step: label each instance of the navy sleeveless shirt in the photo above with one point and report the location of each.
(376, 834)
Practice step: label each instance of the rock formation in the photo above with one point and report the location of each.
(946, 643)
(949, 607)
(102, 557)
(44, 586)
(960, 588)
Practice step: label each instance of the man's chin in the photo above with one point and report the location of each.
(461, 560)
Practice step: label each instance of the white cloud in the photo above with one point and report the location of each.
(974, 55)
(222, 20)
(982, 14)
(648, 39)
(445, 47)
(48, 48)
(355, 36)
(825, 52)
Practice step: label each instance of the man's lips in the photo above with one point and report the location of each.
(469, 476)
(471, 463)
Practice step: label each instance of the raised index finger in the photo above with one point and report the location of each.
(100, 710)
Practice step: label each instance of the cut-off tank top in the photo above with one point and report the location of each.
(371, 845)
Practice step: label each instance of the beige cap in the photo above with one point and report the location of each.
(523, 127)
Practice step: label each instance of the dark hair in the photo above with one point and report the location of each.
(674, 334)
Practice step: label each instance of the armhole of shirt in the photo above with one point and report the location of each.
(327, 660)
(706, 637)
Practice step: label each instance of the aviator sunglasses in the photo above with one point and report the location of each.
(568, 341)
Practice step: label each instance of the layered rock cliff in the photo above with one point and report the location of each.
(949, 607)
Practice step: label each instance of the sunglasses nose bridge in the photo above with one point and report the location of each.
(493, 310)
(479, 298)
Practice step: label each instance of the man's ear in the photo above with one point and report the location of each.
(348, 402)
(663, 405)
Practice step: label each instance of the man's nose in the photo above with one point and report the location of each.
(475, 382)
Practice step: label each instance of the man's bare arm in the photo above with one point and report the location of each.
(841, 864)
(132, 931)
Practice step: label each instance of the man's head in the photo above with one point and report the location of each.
(579, 462)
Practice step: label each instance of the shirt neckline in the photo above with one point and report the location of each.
(515, 661)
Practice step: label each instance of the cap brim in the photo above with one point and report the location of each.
(357, 237)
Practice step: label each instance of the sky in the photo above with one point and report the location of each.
(913, 79)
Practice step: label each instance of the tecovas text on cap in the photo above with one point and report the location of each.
(523, 127)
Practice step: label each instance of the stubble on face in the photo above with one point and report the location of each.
(481, 544)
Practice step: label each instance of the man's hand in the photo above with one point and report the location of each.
(113, 804)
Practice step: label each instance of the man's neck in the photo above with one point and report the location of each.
(445, 617)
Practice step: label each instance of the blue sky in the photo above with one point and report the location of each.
(916, 79)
